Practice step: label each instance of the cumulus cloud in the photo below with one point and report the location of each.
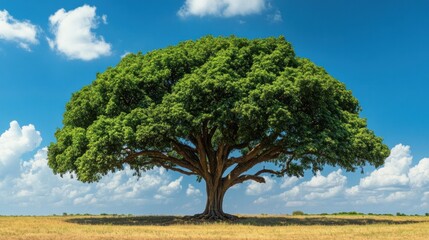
(22, 32)
(317, 188)
(255, 188)
(395, 182)
(289, 181)
(393, 173)
(320, 187)
(191, 191)
(73, 34)
(14, 142)
(395, 186)
(31, 186)
(221, 8)
(419, 174)
(167, 190)
(38, 186)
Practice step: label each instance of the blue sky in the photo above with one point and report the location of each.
(50, 49)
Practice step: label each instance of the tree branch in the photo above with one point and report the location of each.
(268, 154)
(256, 177)
(257, 150)
(243, 178)
(242, 167)
(157, 156)
(202, 158)
(278, 173)
(188, 153)
(253, 153)
(174, 168)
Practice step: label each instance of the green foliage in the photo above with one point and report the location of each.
(350, 213)
(297, 213)
(248, 91)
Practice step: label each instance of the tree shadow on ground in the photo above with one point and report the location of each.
(254, 221)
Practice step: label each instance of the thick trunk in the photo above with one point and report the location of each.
(212, 164)
(214, 205)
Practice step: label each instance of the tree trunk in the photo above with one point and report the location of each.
(214, 204)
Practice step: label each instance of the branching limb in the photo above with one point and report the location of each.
(244, 178)
(268, 154)
(251, 154)
(277, 173)
(189, 173)
(162, 159)
(188, 153)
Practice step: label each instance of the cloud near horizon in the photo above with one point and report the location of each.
(26, 185)
(396, 183)
(22, 32)
(73, 35)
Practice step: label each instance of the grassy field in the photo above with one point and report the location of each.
(248, 227)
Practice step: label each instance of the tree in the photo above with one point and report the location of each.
(215, 108)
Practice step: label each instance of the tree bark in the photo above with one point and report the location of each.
(214, 204)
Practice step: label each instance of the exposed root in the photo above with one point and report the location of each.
(212, 216)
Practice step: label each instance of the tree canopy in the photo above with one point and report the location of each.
(215, 108)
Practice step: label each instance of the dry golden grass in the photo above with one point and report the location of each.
(249, 227)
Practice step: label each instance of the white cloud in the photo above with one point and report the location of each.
(321, 187)
(14, 142)
(310, 192)
(290, 194)
(22, 32)
(29, 186)
(334, 179)
(87, 199)
(38, 185)
(74, 36)
(221, 8)
(395, 182)
(255, 188)
(170, 188)
(419, 174)
(393, 173)
(395, 196)
(191, 191)
(289, 181)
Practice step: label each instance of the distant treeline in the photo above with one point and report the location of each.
(297, 213)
